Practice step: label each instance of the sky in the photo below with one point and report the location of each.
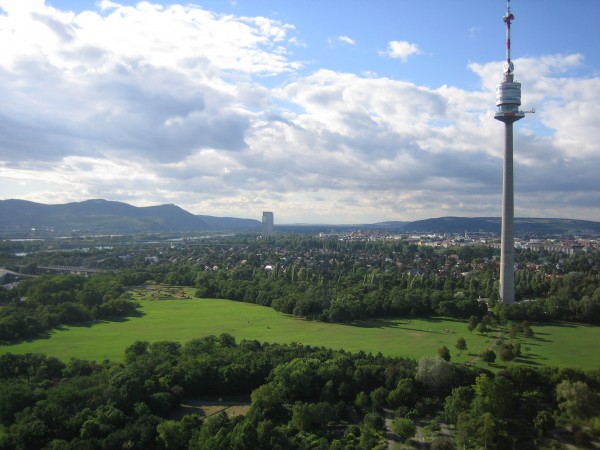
(337, 111)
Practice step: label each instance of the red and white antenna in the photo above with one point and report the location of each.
(508, 65)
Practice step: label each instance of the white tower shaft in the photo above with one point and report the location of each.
(508, 101)
(507, 237)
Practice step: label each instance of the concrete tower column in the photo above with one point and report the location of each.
(507, 240)
(508, 101)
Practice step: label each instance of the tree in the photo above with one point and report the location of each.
(493, 395)
(403, 427)
(403, 394)
(213, 434)
(577, 400)
(528, 332)
(442, 443)
(489, 356)
(269, 398)
(516, 349)
(170, 434)
(457, 402)
(244, 436)
(473, 321)
(543, 422)
(14, 396)
(373, 420)
(362, 401)
(481, 428)
(506, 353)
(444, 353)
(486, 432)
(308, 416)
(135, 350)
(226, 340)
(378, 398)
(436, 373)
(461, 345)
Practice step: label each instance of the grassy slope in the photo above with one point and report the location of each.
(182, 320)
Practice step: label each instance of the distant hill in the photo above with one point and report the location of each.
(103, 216)
(389, 225)
(19, 217)
(493, 225)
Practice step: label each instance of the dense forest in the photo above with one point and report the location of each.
(301, 398)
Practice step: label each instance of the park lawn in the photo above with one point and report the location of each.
(183, 320)
(562, 345)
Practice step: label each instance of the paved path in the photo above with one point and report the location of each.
(390, 437)
(419, 434)
(444, 429)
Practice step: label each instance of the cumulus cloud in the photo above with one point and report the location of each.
(123, 82)
(401, 50)
(153, 104)
(347, 40)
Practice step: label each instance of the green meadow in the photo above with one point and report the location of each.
(563, 345)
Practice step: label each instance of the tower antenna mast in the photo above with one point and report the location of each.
(508, 100)
(508, 66)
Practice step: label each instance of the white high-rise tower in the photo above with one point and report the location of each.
(268, 225)
(508, 100)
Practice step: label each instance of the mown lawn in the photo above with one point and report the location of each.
(562, 344)
(184, 319)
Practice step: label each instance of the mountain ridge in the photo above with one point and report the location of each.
(99, 216)
(104, 216)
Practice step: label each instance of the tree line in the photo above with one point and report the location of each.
(37, 305)
(301, 397)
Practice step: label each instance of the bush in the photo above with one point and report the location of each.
(404, 428)
(374, 420)
(442, 444)
(581, 438)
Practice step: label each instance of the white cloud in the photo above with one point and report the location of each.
(401, 50)
(474, 32)
(564, 103)
(347, 40)
(151, 105)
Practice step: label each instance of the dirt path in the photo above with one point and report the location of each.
(445, 430)
(419, 437)
(390, 437)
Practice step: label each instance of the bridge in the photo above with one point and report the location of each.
(74, 269)
(5, 272)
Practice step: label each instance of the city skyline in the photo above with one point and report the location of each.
(342, 113)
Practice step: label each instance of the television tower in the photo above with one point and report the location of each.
(508, 100)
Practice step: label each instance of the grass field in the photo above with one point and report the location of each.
(563, 345)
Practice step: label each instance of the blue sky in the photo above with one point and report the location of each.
(337, 111)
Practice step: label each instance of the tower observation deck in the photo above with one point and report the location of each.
(508, 102)
(508, 92)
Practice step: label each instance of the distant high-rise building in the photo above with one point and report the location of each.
(508, 100)
(268, 227)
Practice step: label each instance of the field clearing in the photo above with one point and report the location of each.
(183, 319)
(208, 408)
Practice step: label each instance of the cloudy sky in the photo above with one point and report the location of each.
(337, 111)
